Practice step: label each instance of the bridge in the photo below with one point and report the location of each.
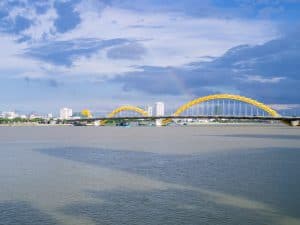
(217, 107)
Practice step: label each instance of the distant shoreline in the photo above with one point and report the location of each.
(177, 125)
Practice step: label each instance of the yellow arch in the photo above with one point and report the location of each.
(125, 108)
(86, 113)
(253, 102)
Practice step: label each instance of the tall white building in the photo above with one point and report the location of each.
(65, 113)
(149, 110)
(159, 109)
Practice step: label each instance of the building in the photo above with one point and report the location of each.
(149, 110)
(159, 109)
(34, 116)
(9, 115)
(65, 113)
(23, 116)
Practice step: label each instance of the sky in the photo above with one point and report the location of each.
(99, 54)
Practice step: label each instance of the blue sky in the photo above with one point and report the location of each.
(99, 54)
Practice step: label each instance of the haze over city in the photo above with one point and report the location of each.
(102, 54)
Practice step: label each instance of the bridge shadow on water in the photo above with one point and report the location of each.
(269, 176)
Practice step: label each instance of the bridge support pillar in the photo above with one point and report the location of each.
(158, 122)
(295, 123)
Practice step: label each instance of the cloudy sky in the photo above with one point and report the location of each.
(99, 54)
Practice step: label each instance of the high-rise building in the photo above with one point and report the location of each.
(149, 110)
(159, 109)
(65, 113)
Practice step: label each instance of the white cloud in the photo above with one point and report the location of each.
(42, 24)
(43, 27)
(13, 64)
(260, 79)
(170, 39)
(99, 64)
(11, 56)
(285, 106)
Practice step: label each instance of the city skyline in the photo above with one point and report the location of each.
(217, 106)
(102, 54)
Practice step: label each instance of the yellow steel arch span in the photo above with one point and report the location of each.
(253, 102)
(125, 108)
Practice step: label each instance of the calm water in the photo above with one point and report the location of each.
(132, 176)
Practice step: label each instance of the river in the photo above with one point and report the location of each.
(208, 175)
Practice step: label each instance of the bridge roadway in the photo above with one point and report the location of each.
(286, 119)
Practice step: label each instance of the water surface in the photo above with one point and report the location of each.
(191, 175)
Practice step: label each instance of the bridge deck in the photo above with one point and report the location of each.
(279, 118)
